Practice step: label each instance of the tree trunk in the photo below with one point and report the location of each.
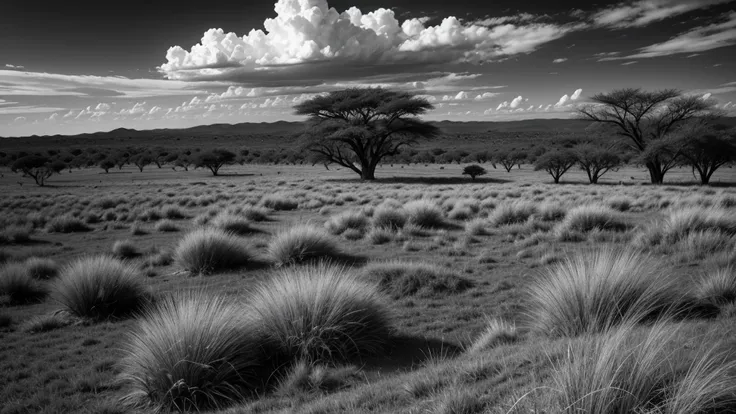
(368, 172)
(655, 172)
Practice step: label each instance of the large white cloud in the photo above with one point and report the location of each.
(309, 31)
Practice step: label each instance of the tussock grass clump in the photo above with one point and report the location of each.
(191, 352)
(380, 235)
(584, 219)
(173, 213)
(255, 213)
(402, 279)
(17, 283)
(595, 290)
(46, 323)
(40, 268)
(166, 226)
(322, 312)
(476, 227)
(100, 287)
(626, 371)
(16, 233)
(311, 379)
(497, 332)
(301, 243)
(718, 286)
(424, 213)
(208, 250)
(385, 217)
(66, 224)
(125, 249)
(551, 211)
(702, 244)
(680, 224)
(347, 220)
(620, 203)
(514, 212)
(233, 224)
(279, 202)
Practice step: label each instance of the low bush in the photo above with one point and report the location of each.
(125, 249)
(192, 352)
(379, 235)
(66, 224)
(208, 250)
(301, 243)
(233, 224)
(586, 218)
(40, 268)
(347, 220)
(166, 226)
(18, 284)
(15, 233)
(322, 313)
(100, 287)
(279, 202)
(385, 217)
(514, 212)
(402, 279)
(424, 213)
(718, 286)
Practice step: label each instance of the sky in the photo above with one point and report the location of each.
(68, 68)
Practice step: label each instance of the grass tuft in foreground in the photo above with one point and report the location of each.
(208, 250)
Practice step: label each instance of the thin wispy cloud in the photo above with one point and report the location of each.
(644, 12)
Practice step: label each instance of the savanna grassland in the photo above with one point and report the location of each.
(297, 289)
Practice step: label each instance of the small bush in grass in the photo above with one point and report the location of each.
(163, 258)
(125, 249)
(620, 203)
(166, 226)
(402, 279)
(699, 245)
(19, 286)
(40, 268)
(66, 224)
(682, 222)
(279, 202)
(339, 223)
(424, 213)
(476, 227)
(302, 243)
(625, 371)
(150, 214)
(233, 224)
(353, 234)
(208, 250)
(100, 287)
(592, 291)
(255, 213)
(549, 211)
(512, 213)
(718, 286)
(192, 351)
(15, 233)
(583, 219)
(379, 235)
(322, 313)
(385, 217)
(497, 332)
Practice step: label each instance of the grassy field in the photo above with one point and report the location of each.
(432, 293)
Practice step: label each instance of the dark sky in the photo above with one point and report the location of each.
(503, 60)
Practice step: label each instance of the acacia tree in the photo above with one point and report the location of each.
(37, 167)
(508, 159)
(214, 160)
(596, 161)
(646, 117)
(473, 171)
(142, 160)
(556, 163)
(357, 128)
(707, 149)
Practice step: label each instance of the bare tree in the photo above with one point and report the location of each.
(645, 117)
(356, 128)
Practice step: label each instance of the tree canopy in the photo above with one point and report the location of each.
(356, 128)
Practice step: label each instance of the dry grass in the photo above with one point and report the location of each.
(402, 279)
(207, 250)
(302, 243)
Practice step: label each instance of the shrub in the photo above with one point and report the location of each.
(321, 313)
(379, 235)
(302, 243)
(593, 291)
(166, 226)
(45, 323)
(512, 213)
(474, 170)
(207, 250)
(551, 211)
(19, 286)
(40, 268)
(125, 249)
(680, 223)
(621, 203)
(192, 352)
(233, 224)
(279, 202)
(424, 213)
(402, 279)
(100, 287)
(173, 213)
(385, 217)
(15, 233)
(718, 286)
(626, 372)
(66, 224)
(255, 213)
(137, 229)
(591, 217)
(339, 223)
(476, 227)
(497, 332)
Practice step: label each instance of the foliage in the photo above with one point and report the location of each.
(474, 170)
(596, 160)
(37, 167)
(556, 163)
(214, 159)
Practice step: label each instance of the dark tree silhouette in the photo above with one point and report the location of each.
(106, 164)
(356, 128)
(707, 149)
(646, 117)
(39, 168)
(556, 163)
(508, 159)
(474, 170)
(214, 159)
(141, 161)
(596, 160)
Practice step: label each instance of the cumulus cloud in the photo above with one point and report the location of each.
(8, 65)
(575, 95)
(309, 31)
(137, 109)
(486, 95)
(502, 105)
(699, 39)
(515, 103)
(566, 100)
(102, 107)
(643, 12)
(559, 60)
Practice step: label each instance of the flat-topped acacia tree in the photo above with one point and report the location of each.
(358, 127)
